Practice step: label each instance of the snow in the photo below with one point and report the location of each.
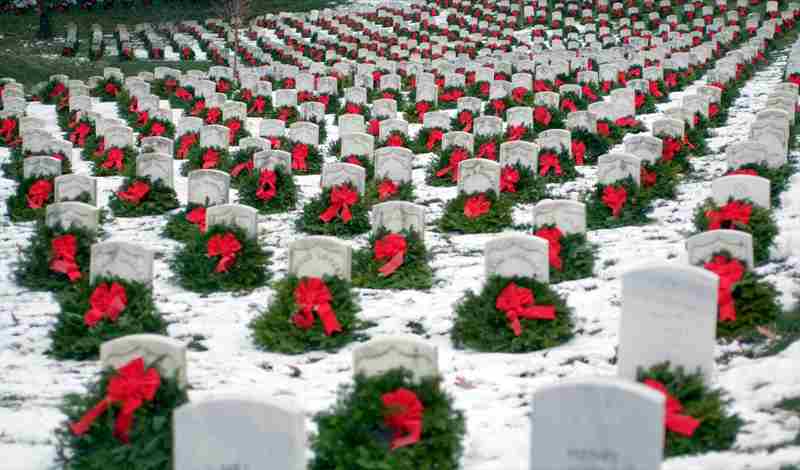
(494, 390)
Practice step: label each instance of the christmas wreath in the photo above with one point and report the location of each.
(428, 140)
(206, 158)
(157, 127)
(587, 146)
(185, 224)
(222, 258)
(55, 258)
(269, 191)
(389, 190)
(390, 422)
(209, 115)
(33, 194)
(287, 114)
(387, 93)
(93, 313)
(139, 196)
(393, 261)
(306, 159)
(659, 179)
(739, 215)
(572, 102)
(185, 143)
(53, 92)
(677, 151)
(695, 420)
(520, 132)
(498, 106)
(107, 89)
(165, 87)
(545, 118)
(476, 213)
(415, 112)
(519, 183)
(114, 161)
(396, 139)
(98, 434)
(616, 205)
(259, 106)
(339, 211)
(309, 314)
(9, 131)
(463, 121)
(184, 98)
(556, 166)
(443, 169)
(236, 131)
(512, 315)
(242, 164)
(79, 132)
(571, 256)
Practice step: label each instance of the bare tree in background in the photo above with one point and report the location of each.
(235, 13)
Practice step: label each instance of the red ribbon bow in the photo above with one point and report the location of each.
(157, 129)
(135, 192)
(457, 156)
(603, 129)
(673, 420)
(142, 118)
(649, 178)
(299, 156)
(509, 177)
(578, 151)
(499, 106)
(57, 90)
(614, 197)
(39, 193)
(465, 119)
(197, 216)
(403, 416)
(312, 295)
(234, 126)
(65, 249)
(267, 188)
(588, 93)
(107, 301)
(210, 159)
(626, 121)
(183, 95)
(226, 246)
(488, 150)
(374, 127)
(730, 271)
(743, 171)
(111, 89)
(240, 167)
(518, 302)
(476, 206)
(352, 108)
(541, 85)
(131, 387)
(114, 159)
(434, 138)
(341, 198)
(422, 107)
(516, 132)
(732, 213)
(568, 105)
(386, 189)
(547, 162)
(7, 127)
(518, 94)
(213, 116)
(185, 142)
(553, 236)
(258, 106)
(223, 86)
(654, 90)
(285, 113)
(392, 247)
(670, 149)
(395, 140)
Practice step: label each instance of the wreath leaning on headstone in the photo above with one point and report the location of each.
(56, 257)
(393, 261)
(616, 205)
(339, 210)
(139, 196)
(476, 213)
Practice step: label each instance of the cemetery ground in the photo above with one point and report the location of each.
(760, 376)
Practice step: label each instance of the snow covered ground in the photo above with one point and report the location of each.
(494, 389)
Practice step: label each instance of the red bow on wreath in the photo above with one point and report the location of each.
(421, 108)
(57, 90)
(240, 167)
(312, 295)
(267, 188)
(730, 271)
(234, 126)
(603, 129)
(225, 246)
(434, 138)
(654, 90)
(65, 249)
(516, 132)
(465, 119)
(341, 198)
(392, 247)
(395, 140)
(107, 301)
(403, 415)
(734, 212)
(78, 136)
(142, 118)
(198, 108)
(614, 197)
(626, 121)
(457, 156)
(210, 159)
(111, 89)
(374, 127)
(197, 216)
(213, 116)
(487, 150)
(509, 177)
(649, 178)
(518, 302)
(185, 143)
(183, 95)
(547, 162)
(39, 193)
(518, 94)
(568, 105)
(386, 189)
(114, 159)
(258, 106)
(476, 206)
(299, 156)
(131, 387)
(671, 148)
(135, 192)
(553, 236)
(157, 129)
(578, 151)
(499, 106)
(7, 127)
(587, 91)
(352, 108)
(673, 420)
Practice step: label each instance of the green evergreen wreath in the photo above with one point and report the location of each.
(761, 226)
(159, 200)
(195, 270)
(596, 144)
(778, 178)
(352, 434)
(440, 161)
(411, 113)
(634, 212)
(681, 157)
(419, 145)
(128, 162)
(667, 176)
(241, 157)
(696, 136)
(100, 89)
(46, 94)
(414, 273)
(314, 161)
(310, 222)
(718, 427)
(33, 269)
(150, 446)
(13, 168)
(73, 339)
(274, 331)
(498, 217)
(147, 129)
(529, 189)
(577, 257)
(567, 163)
(194, 160)
(180, 229)
(405, 192)
(481, 326)
(17, 204)
(556, 120)
(91, 145)
(285, 200)
(756, 303)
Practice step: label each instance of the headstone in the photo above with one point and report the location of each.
(119, 137)
(236, 215)
(272, 128)
(156, 166)
(519, 152)
(754, 188)
(613, 167)
(158, 144)
(394, 163)
(704, 245)
(568, 216)
(272, 159)
(162, 352)
(555, 139)
(41, 167)
(646, 147)
(320, 256)
(518, 255)
(121, 259)
(396, 216)
(334, 174)
(72, 214)
(383, 354)
(214, 135)
(358, 144)
(72, 186)
(208, 187)
(304, 133)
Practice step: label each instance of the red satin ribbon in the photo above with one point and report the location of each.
(258, 105)
(299, 156)
(670, 149)
(185, 143)
(142, 118)
(197, 216)
(509, 177)
(223, 86)
(267, 188)
(240, 167)
(135, 192)
(210, 159)
(578, 151)
(421, 108)
(39, 193)
(734, 212)
(395, 140)
(476, 206)
(547, 162)
(457, 156)
(157, 129)
(342, 197)
(588, 93)
(131, 387)
(7, 128)
(654, 90)
(499, 106)
(114, 159)
(487, 150)
(404, 414)
(386, 189)
(226, 246)
(183, 95)
(648, 178)
(730, 271)
(614, 197)
(111, 89)
(234, 126)
(518, 94)
(465, 119)
(518, 302)
(569, 106)
(392, 247)
(452, 95)
(626, 121)
(312, 295)
(285, 113)
(553, 236)
(516, 132)
(213, 116)
(352, 108)
(374, 127)
(541, 85)
(106, 302)
(603, 129)
(65, 250)
(673, 420)
(434, 138)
